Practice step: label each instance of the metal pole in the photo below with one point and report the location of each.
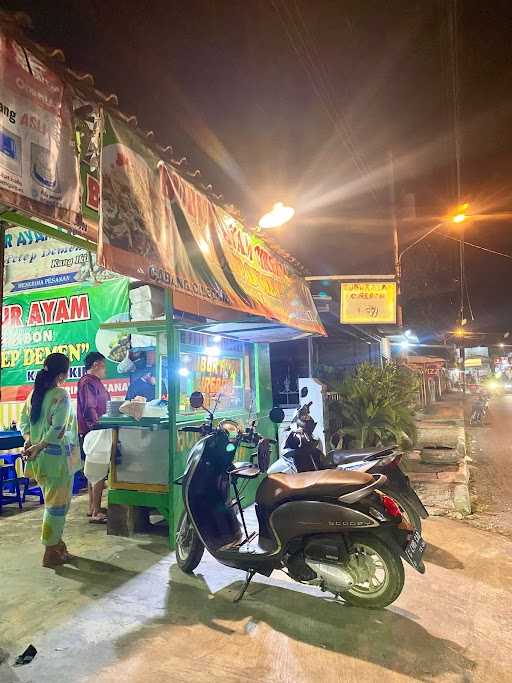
(394, 223)
(172, 338)
(310, 357)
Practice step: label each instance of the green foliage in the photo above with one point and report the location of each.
(376, 406)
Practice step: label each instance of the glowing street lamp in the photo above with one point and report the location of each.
(460, 216)
(279, 215)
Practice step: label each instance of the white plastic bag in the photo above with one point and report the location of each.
(126, 366)
(97, 449)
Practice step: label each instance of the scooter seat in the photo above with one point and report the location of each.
(278, 488)
(341, 457)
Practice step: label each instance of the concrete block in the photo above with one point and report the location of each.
(126, 520)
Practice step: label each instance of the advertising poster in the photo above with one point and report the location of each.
(158, 228)
(264, 283)
(35, 261)
(368, 303)
(64, 320)
(38, 157)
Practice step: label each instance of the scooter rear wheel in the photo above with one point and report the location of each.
(378, 573)
(189, 548)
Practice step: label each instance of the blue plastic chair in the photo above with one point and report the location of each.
(10, 491)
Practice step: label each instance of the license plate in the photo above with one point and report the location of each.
(414, 550)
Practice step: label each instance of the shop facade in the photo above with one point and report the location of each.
(104, 213)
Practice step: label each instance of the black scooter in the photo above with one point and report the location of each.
(332, 529)
(301, 448)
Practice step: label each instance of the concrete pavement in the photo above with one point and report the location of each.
(125, 612)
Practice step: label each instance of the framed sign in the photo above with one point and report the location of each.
(368, 303)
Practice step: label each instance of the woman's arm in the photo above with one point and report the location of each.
(25, 420)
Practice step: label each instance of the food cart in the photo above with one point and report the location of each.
(150, 453)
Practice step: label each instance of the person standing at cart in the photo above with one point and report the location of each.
(49, 428)
(92, 398)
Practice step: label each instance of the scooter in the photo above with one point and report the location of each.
(331, 529)
(480, 410)
(302, 454)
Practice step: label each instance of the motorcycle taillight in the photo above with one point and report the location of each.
(390, 506)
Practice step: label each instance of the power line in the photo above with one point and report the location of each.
(319, 78)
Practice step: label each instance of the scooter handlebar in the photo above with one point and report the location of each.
(196, 430)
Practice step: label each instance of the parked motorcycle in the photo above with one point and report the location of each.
(332, 529)
(302, 454)
(479, 410)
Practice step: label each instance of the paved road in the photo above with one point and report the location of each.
(124, 612)
(491, 450)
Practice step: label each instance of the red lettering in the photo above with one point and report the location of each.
(93, 193)
(62, 312)
(48, 307)
(34, 315)
(79, 307)
(11, 315)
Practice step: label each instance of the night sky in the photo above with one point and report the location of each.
(301, 102)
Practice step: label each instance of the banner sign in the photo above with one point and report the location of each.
(261, 282)
(368, 303)
(36, 261)
(64, 320)
(156, 227)
(38, 157)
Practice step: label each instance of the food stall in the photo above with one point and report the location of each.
(98, 184)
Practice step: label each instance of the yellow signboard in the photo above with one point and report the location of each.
(368, 303)
(473, 363)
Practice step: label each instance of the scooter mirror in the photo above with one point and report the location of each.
(196, 399)
(276, 415)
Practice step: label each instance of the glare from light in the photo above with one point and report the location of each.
(217, 339)
(459, 332)
(212, 351)
(404, 344)
(184, 372)
(408, 333)
(279, 215)
(203, 246)
(502, 345)
(460, 216)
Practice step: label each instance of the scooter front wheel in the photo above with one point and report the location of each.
(378, 573)
(189, 548)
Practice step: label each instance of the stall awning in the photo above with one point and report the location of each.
(260, 331)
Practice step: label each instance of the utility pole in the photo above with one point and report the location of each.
(394, 224)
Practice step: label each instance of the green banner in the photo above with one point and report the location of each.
(64, 320)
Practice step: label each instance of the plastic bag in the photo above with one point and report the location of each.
(98, 450)
(126, 366)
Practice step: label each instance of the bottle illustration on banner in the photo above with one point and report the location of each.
(43, 167)
(10, 151)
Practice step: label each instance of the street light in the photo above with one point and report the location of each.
(460, 216)
(279, 215)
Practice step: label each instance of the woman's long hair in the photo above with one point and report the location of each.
(54, 365)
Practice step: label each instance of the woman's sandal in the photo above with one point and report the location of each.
(100, 519)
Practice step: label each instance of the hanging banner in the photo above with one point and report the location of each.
(38, 158)
(368, 303)
(64, 320)
(87, 117)
(158, 228)
(35, 261)
(265, 283)
(139, 236)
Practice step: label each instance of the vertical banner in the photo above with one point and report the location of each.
(38, 157)
(64, 320)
